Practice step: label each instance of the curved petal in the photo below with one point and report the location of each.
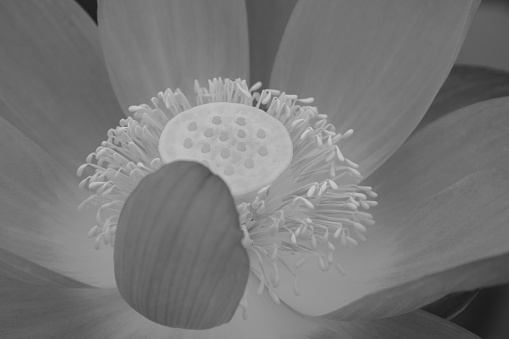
(55, 87)
(155, 44)
(466, 85)
(472, 139)
(374, 68)
(267, 20)
(412, 295)
(418, 324)
(465, 223)
(40, 221)
(178, 255)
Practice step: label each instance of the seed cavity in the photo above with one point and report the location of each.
(205, 148)
(263, 151)
(209, 132)
(241, 146)
(261, 133)
(241, 121)
(225, 153)
(223, 136)
(193, 126)
(188, 143)
(216, 120)
(241, 133)
(249, 163)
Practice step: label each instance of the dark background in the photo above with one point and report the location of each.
(486, 44)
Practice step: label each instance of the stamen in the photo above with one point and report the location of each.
(300, 194)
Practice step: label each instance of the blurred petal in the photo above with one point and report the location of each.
(55, 87)
(178, 257)
(267, 20)
(153, 45)
(374, 68)
(40, 221)
(418, 324)
(455, 241)
(472, 139)
(466, 85)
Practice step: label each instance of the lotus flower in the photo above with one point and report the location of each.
(205, 251)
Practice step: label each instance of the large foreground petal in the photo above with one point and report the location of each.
(374, 68)
(153, 45)
(33, 311)
(178, 255)
(40, 221)
(54, 85)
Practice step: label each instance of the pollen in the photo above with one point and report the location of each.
(298, 195)
(263, 144)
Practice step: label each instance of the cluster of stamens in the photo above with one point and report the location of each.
(311, 206)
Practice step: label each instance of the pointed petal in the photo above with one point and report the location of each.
(374, 68)
(455, 241)
(267, 20)
(153, 45)
(418, 324)
(179, 260)
(55, 87)
(40, 221)
(466, 85)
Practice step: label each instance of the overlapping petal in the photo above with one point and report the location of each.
(178, 254)
(267, 21)
(418, 324)
(407, 180)
(153, 45)
(29, 310)
(455, 241)
(40, 221)
(466, 85)
(371, 67)
(472, 139)
(54, 86)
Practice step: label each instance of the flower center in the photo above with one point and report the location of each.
(298, 195)
(242, 144)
